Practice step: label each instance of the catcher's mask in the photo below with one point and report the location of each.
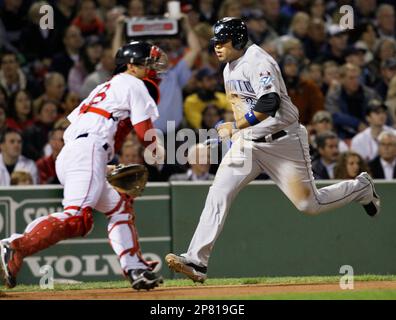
(141, 53)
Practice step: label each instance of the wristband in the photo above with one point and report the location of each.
(251, 118)
(218, 123)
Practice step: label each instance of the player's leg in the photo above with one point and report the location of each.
(236, 170)
(287, 162)
(82, 174)
(124, 238)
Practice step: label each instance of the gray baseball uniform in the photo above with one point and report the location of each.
(286, 159)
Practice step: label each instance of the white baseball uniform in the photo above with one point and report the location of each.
(81, 167)
(286, 159)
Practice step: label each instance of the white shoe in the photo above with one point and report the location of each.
(191, 270)
(374, 206)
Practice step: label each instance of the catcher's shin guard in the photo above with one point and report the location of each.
(124, 238)
(47, 232)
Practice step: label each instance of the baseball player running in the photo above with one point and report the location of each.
(81, 168)
(266, 137)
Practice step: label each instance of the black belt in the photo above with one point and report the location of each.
(84, 135)
(272, 137)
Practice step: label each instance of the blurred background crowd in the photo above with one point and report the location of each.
(342, 81)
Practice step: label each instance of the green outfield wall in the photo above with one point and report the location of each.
(264, 235)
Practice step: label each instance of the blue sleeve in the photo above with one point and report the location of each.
(183, 72)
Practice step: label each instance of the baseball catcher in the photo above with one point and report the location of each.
(97, 129)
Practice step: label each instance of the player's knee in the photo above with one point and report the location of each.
(307, 207)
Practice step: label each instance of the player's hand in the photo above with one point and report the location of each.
(225, 130)
(110, 168)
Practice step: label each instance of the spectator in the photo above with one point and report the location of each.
(321, 123)
(3, 123)
(54, 89)
(323, 167)
(317, 11)
(365, 10)
(89, 58)
(205, 95)
(355, 55)
(87, 20)
(230, 8)
(299, 26)
(36, 137)
(314, 73)
(348, 103)
(388, 71)
(20, 111)
(198, 159)
(386, 21)
(46, 164)
(21, 178)
(305, 94)
(365, 36)
(259, 30)
(11, 158)
(211, 115)
(156, 8)
(349, 165)
(12, 78)
(72, 100)
(104, 6)
(207, 11)
(294, 47)
(102, 74)
(315, 43)
(272, 12)
(171, 105)
(37, 43)
(132, 152)
(64, 13)
(365, 143)
(12, 15)
(331, 77)
(136, 9)
(207, 58)
(384, 165)
(337, 43)
(65, 60)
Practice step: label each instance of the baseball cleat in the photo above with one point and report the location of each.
(374, 206)
(191, 270)
(143, 279)
(5, 256)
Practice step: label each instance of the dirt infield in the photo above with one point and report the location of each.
(194, 292)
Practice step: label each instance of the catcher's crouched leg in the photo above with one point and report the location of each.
(123, 238)
(43, 233)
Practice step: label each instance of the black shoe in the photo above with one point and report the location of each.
(144, 279)
(5, 256)
(191, 270)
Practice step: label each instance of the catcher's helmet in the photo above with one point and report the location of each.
(230, 28)
(141, 53)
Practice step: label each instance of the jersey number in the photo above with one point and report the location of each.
(100, 96)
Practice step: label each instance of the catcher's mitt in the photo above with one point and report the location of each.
(130, 179)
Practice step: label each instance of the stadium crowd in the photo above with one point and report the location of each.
(342, 81)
